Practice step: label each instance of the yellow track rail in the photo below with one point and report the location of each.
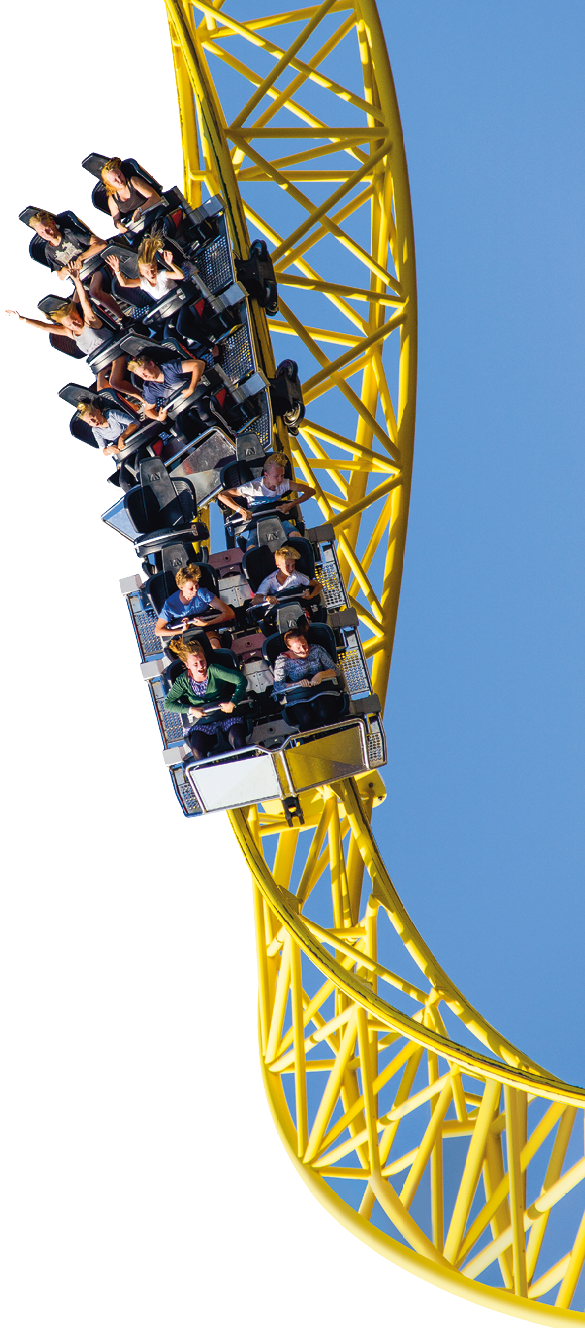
(450, 1135)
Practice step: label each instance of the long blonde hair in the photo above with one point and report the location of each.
(114, 164)
(63, 311)
(185, 648)
(150, 246)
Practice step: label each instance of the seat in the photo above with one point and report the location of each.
(95, 162)
(318, 634)
(272, 533)
(158, 515)
(176, 405)
(259, 563)
(144, 442)
(36, 247)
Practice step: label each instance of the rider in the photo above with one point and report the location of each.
(180, 610)
(206, 683)
(269, 488)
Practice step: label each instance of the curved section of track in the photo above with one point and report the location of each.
(419, 1126)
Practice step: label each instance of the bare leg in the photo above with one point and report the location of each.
(96, 289)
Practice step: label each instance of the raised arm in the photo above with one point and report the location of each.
(36, 322)
(89, 313)
(114, 262)
(174, 271)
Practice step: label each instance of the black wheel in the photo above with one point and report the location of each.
(288, 369)
(293, 417)
(258, 249)
(270, 298)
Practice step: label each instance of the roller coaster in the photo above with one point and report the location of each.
(414, 1122)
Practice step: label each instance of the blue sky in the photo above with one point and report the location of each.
(485, 715)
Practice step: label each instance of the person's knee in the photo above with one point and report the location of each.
(237, 736)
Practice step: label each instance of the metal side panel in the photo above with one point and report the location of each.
(188, 800)
(237, 354)
(235, 782)
(376, 742)
(143, 622)
(352, 662)
(214, 261)
(170, 724)
(323, 760)
(329, 577)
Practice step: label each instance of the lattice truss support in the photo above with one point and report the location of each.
(396, 1116)
(464, 1164)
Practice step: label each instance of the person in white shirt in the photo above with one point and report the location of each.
(285, 579)
(269, 489)
(157, 282)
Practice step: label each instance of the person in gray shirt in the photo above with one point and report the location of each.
(111, 428)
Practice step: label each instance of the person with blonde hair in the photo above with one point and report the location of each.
(87, 332)
(206, 683)
(73, 244)
(162, 380)
(157, 282)
(180, 611)
(271, 487)
(111, 427)
(285, 579)
(128, 196)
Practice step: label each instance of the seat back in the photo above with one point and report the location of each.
(235, 473)
(82, 431)
(95, 162)
(133, 345)
(224, 657)
(249, 448)
(36, 250)
(66, 345)
(73, 393)
(166, 504)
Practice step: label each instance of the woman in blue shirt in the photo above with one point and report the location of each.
(180, 611)
(306, 666)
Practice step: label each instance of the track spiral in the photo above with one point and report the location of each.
(416, 1118)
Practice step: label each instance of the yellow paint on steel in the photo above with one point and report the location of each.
(348, 258)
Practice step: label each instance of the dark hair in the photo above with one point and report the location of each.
(294, 633)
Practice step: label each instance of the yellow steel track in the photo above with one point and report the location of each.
(448, 1137)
